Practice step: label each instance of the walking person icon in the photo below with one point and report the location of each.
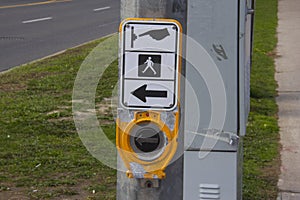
(150, 65)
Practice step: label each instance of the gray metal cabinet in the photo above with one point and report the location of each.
(221, 40)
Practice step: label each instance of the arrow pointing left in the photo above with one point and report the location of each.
(141, 93)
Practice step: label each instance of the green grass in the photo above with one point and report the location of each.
(40, 151)
(261, 146)
(42, 157)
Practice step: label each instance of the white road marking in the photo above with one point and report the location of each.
(36, 20)
(100, 9)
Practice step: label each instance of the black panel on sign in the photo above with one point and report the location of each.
(149, 65)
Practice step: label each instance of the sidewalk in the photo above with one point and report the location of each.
(288, 77)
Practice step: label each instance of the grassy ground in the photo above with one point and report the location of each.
(261, 160)
(42, 157)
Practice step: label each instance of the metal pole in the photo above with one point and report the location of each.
(172, 186)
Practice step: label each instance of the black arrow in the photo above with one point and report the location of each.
(141, 93)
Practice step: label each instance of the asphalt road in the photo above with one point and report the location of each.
(33, 29)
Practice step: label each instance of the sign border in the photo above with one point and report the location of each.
(177, 60)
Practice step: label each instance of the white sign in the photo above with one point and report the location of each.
(164, 71)
(151, 36)
(149, 64)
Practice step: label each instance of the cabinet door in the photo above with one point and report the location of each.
(213, 177)
(213, 27)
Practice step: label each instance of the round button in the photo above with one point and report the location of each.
(147, 140)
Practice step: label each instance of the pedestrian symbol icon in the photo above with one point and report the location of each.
(149, 65)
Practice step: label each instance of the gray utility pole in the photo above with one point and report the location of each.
(171, 186)
(207, 124)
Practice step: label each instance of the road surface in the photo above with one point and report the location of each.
(33, 29)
